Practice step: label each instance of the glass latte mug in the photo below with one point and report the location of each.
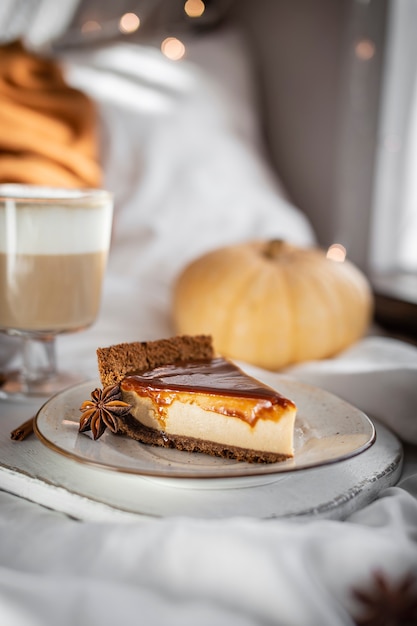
(53, 252)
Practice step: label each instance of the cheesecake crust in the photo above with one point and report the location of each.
(117, 361)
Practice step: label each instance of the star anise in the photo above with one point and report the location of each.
(103, 410)
(389, 604)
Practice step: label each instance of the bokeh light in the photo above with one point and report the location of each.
(194, 8)
(336, 252)
(365, 49)
(129, 23)
(90, 26)
(173, 48)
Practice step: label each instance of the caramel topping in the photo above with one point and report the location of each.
(216, 379)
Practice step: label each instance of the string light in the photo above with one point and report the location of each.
(173, 48)
(336, 252)
(129, 23)
(365, 49)
(194, 8)
(91, 26)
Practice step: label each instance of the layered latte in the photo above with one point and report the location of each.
(53, 255)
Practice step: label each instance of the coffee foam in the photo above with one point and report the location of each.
(54, 229)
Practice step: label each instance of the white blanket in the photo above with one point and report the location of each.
(183, 156)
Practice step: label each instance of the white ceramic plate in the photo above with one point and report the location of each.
(327, 430)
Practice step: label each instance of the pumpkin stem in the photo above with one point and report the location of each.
(273, 248)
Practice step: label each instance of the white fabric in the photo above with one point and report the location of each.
(188, 176)
(379, 375)
(183, 155)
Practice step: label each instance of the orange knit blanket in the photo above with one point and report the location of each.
(48, 130)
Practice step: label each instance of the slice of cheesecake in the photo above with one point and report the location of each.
(177, 393)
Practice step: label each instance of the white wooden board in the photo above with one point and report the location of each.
(31, 470)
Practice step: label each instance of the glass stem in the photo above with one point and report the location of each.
(39, 360)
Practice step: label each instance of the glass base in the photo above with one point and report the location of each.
(14, 387)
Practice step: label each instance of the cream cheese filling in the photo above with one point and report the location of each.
(189, 419)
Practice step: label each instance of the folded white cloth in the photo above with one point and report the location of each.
(236, 572)
(378, 375)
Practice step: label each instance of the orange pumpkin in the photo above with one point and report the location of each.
(272, 304)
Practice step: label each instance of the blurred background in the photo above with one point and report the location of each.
(336, 92)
